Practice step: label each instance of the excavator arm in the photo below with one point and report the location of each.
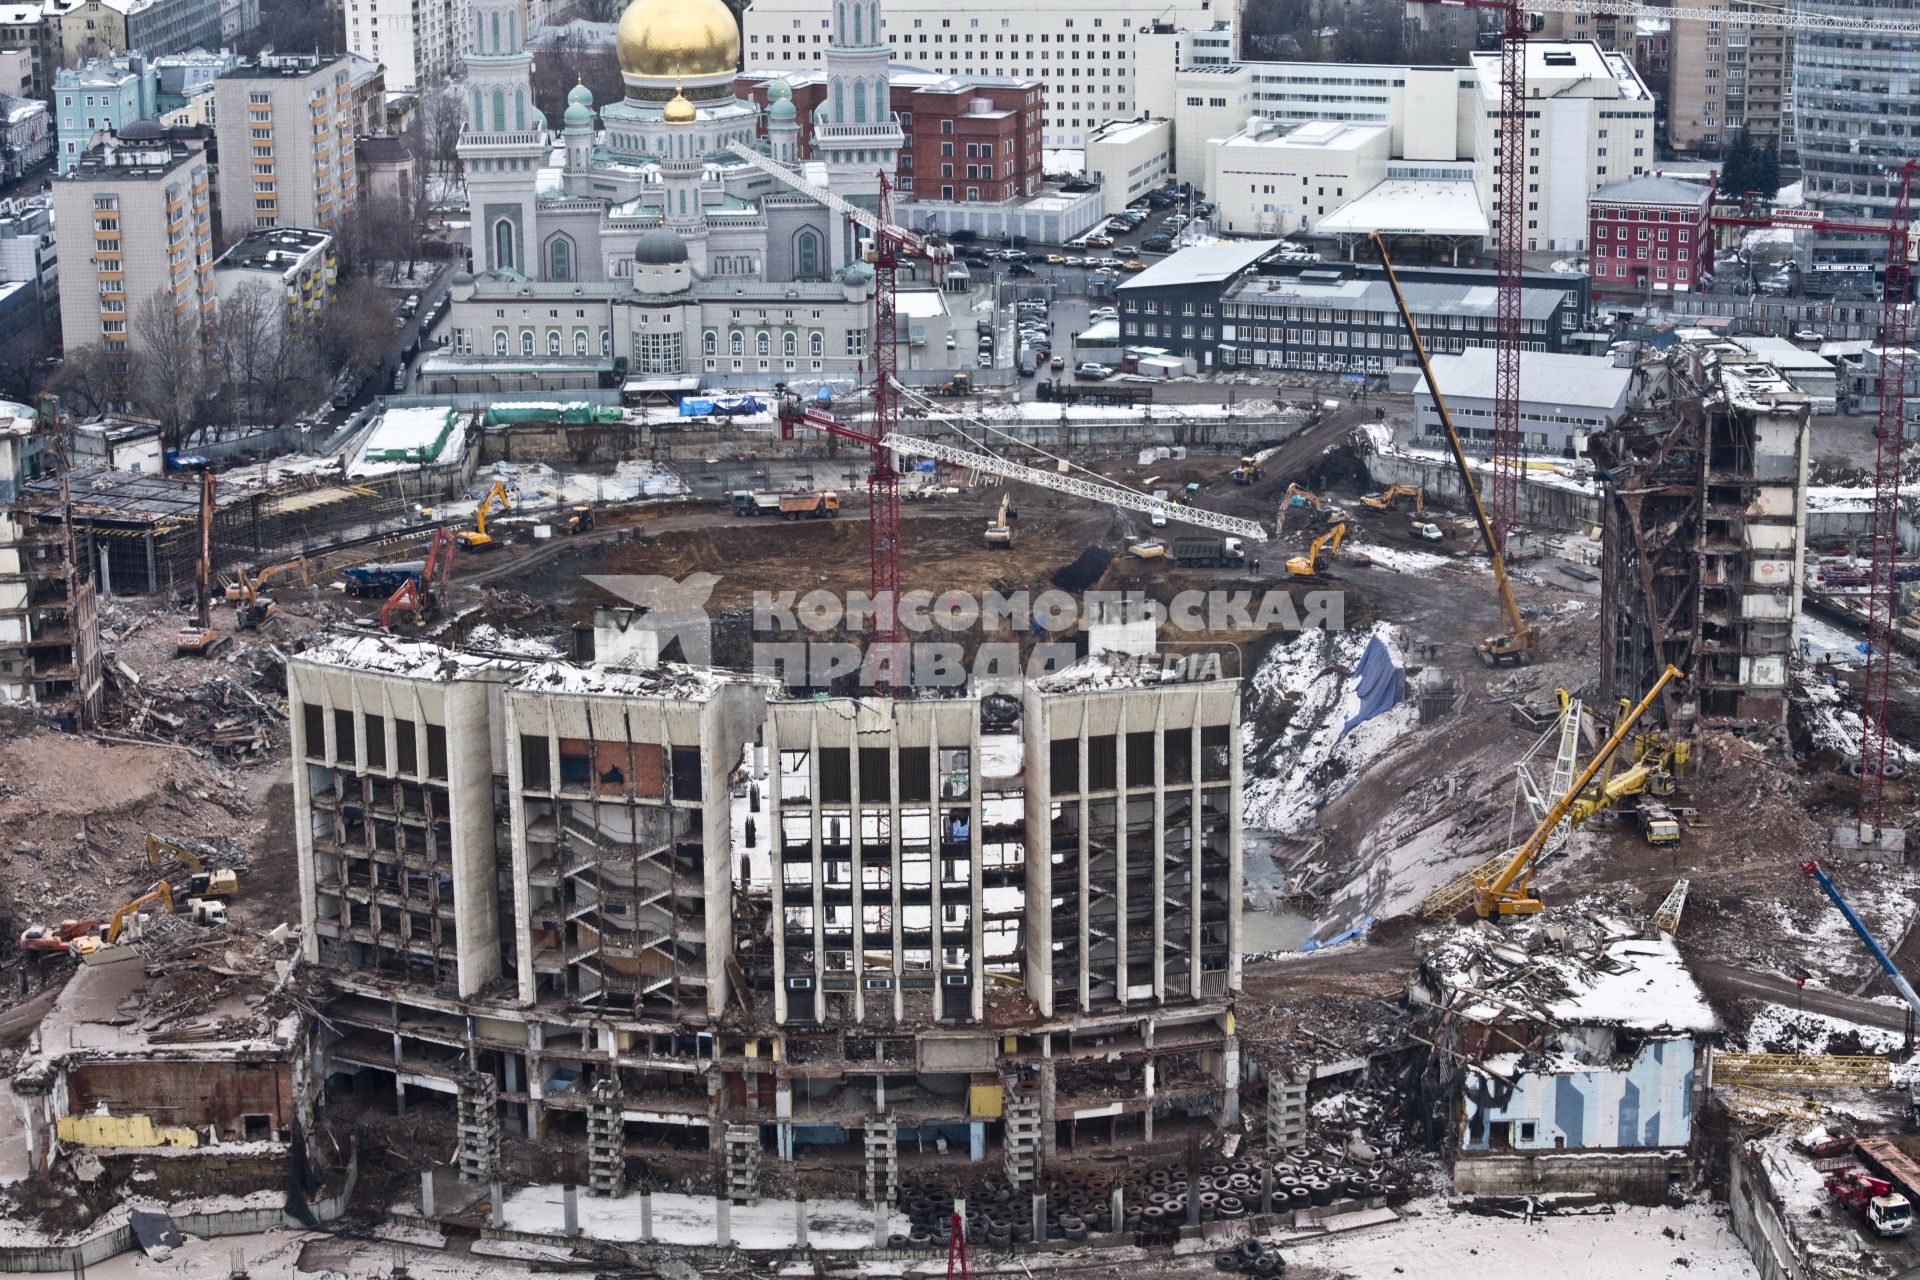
(1518, 640)
(1508, 894)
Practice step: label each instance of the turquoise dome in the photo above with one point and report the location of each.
(579, 115)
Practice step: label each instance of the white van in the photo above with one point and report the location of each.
(1158, 516)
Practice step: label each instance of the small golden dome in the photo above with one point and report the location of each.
(678, 110)
(664, 39)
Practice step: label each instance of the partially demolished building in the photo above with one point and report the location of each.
(1703, 536)
(667, 904)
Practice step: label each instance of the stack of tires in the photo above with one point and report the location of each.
(1251, 1258)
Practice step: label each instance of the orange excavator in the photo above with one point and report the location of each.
(56, 939)
(423, 596)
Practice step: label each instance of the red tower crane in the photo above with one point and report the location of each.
(1896, 309)
(884, 250)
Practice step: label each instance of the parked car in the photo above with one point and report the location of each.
(1157, 244)
(1021, 269)
(1056, 259)
(1057, 363)
(1076, 262)
(1098, 242)
(1092, 371)
(1133, 264)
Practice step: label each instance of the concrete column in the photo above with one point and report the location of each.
(977, 1141)
(646, 1216)
(1039, 1218)
(570, 1209)
(497, 1213)
(1118, 1208)
(1193, 1196)
(426, 1193)
(800, 1224)
(879, 1226)
(722, 1221)
(1266, 1189)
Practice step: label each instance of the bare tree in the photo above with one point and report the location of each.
(357, 332)
(171, 374)
(94, 380)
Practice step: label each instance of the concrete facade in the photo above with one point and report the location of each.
(1130, 158)
(675, 918)
(1724, 80)
(286, 127)
(420, 42)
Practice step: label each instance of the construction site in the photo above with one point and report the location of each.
(892, 834)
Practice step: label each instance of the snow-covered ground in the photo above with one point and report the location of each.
(679, 1219)
(1779, 1029)
(1432, 1243)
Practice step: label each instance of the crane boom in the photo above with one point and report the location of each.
(1519, 638)
(1507, 893)
(845, 208)
(988, 464)
(1795, 18)
(1894, 975)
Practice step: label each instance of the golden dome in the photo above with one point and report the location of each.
(678, 110)
(666, 39)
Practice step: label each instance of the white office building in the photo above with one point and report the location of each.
(1084, 51)
(420, 42)
(1564, 399)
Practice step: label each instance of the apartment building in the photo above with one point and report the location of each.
(30, 254)
(103, 28)
(420, 42)
(1083, 52)
(101, 95)
(625, 904)
(136, 217)
(286, 127)
(1650, 235)
(291, 264)
(26, 30)
(1727, 80)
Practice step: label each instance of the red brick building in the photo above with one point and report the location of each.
(969, 138)
(1649, 233)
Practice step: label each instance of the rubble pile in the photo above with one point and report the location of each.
(236, 712)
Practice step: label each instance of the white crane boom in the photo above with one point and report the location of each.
(853, 212)
(991, 465)
(1792, 17)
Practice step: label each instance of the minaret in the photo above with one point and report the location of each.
(504, 142)
(579, 130)
(681, 169)
(855, 131)
(783, 124)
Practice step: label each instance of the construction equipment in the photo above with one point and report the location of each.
(160, 894)
(810, 506)
(1899, 981)
(1517, 642)
(1873, 1200)
(1298, 497)
(201, 883)
(1154, 550)
(1248, 471)
(751, 502)
(1386, 498)
(1207, 552)
(1798, 1070)
(252, 608)
(1666, 916)
(423, 595)
(366, 581)
(1503, 885)
(200, 640)
(477, 538)
(579, 518)
(56, 939)
(1657, 823)
(1428, 530)
(1000, 528)
(1320, 554)
(960, 384)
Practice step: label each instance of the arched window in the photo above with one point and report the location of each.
(839, 20)
(513, 31)
(560, 259)
(709, 343)
(606, 344)
(580, 342)
(496, 33)
(553, 342)
(479, 110)
(789, 345)
(760, 344)
(859, 98)
(500, 342)
(736, 345)
(499, 111)
(815, 344)
(808, 255)
(526, 342)
(520, 108)
(839, 104)
(502, 244)
(856, 26)
(479, 32)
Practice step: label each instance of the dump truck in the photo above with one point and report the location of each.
(378, 581)
(1193, 552)
(1657, 822)
(748, 502)
(1879, 1207)
(809, 506)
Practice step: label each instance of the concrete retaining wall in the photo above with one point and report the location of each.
(1542, 506)
(1638, 1177)
(1756, 1221)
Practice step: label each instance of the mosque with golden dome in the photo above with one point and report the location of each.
(573, 205)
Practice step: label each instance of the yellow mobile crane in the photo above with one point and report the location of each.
(1517, 642)
(477, 538)
(1510, 891)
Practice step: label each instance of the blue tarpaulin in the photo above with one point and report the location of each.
(1380, 684)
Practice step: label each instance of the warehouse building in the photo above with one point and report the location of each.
(1221, 305)
(631, 905)
(1564, 400)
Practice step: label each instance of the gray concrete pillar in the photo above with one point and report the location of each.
(880, 1224)
(1193, 1195)
(497, 1213)
(1118, 1208)
(722, 1221)
(1039, 1219)
(426, 1194)
(800, 1224)
(570, 1209)
(1266, 1189)
(646, 1216)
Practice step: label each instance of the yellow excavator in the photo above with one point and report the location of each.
(1248, 471)
(1386, 498)
(1000, 528)
(1320, 554)
(1517, 640)
(1509, 892)
(160, 895)
(221, 882)
(252, 607)
(477, 538)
